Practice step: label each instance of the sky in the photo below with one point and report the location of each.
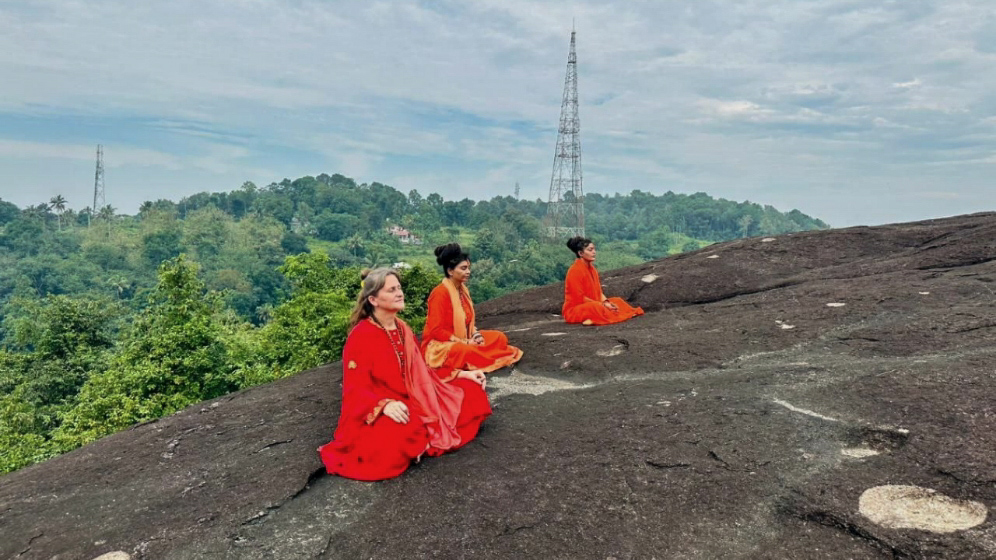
(852, 111)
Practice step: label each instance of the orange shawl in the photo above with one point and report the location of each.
(436, 350)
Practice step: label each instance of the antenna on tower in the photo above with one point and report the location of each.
(516, 190)
(98, 185)
(565, 210)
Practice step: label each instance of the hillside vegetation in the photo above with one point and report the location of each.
(109, 320)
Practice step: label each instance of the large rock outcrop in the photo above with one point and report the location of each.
(814, 395)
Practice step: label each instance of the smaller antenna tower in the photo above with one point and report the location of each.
(98, 185)
(516, 190)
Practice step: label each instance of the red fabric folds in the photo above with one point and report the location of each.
(367, 445)
(440, 402)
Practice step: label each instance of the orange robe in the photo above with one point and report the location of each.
(583, 298)
(448, 326)
(380, 366)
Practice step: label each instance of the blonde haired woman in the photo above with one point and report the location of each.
(394, 407)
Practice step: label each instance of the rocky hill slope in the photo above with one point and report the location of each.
(815, 395)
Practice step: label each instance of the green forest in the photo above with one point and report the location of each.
(107, 320)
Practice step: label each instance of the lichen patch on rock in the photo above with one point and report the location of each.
(915, 507)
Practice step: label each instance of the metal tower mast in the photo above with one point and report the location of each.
(98, 185)
(565, 211)
(516, 190)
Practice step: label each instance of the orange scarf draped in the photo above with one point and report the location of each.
(440, 402)
(436, 350)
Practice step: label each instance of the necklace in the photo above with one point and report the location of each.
(397, 342)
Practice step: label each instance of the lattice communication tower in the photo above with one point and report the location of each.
(565, 211)
(98, 185)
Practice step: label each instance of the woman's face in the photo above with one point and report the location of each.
(588, 253)
(390, 298)
(461, 272)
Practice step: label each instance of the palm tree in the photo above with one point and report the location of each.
(120, 284)
(106, 213)
(145, 208)
(58, 203)
(355, 244)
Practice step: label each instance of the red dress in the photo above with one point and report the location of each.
(583, 298)
(368, 445)
(446, 327)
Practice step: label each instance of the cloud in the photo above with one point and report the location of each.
(123, 156)
(907, 85)
(776, 100)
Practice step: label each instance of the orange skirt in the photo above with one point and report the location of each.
(494, 354)
(598, 314)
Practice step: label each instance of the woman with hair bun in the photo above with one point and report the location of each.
(584, 301)
(451, 342)
(394, 408)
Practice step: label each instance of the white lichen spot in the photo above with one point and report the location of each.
(713, 257)
(784, 325)
(521, 330)
(858, 452)
(553, 334)
(767, 240)
(117, 555)
(519, 383)
(649, 278)
(804, 411)
(836, 304)
(614, 351)
(914, 507)
(924, 293)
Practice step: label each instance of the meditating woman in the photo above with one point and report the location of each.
(584, 301)
(451, 342)
(394, 408)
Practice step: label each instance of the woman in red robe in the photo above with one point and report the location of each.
(584, 301)
(451, 342)
(394, 408)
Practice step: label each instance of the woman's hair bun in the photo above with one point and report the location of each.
(446, 253)
(365, 272)
(577, 243)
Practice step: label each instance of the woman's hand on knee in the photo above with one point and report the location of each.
(397, 411)
(475, 375)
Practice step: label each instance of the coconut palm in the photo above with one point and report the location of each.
(120, 284)
(106, 213)
(58, 203)
(145, 208)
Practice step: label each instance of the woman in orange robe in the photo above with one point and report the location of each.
(394, 408)
(451, 342)
(584, 301)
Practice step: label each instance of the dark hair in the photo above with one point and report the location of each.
(449, 256)
(577, 244)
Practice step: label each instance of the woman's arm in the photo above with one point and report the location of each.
(360, 397)
(439, 320)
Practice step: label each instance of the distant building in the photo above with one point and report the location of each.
(403, 235)
(401, 265)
